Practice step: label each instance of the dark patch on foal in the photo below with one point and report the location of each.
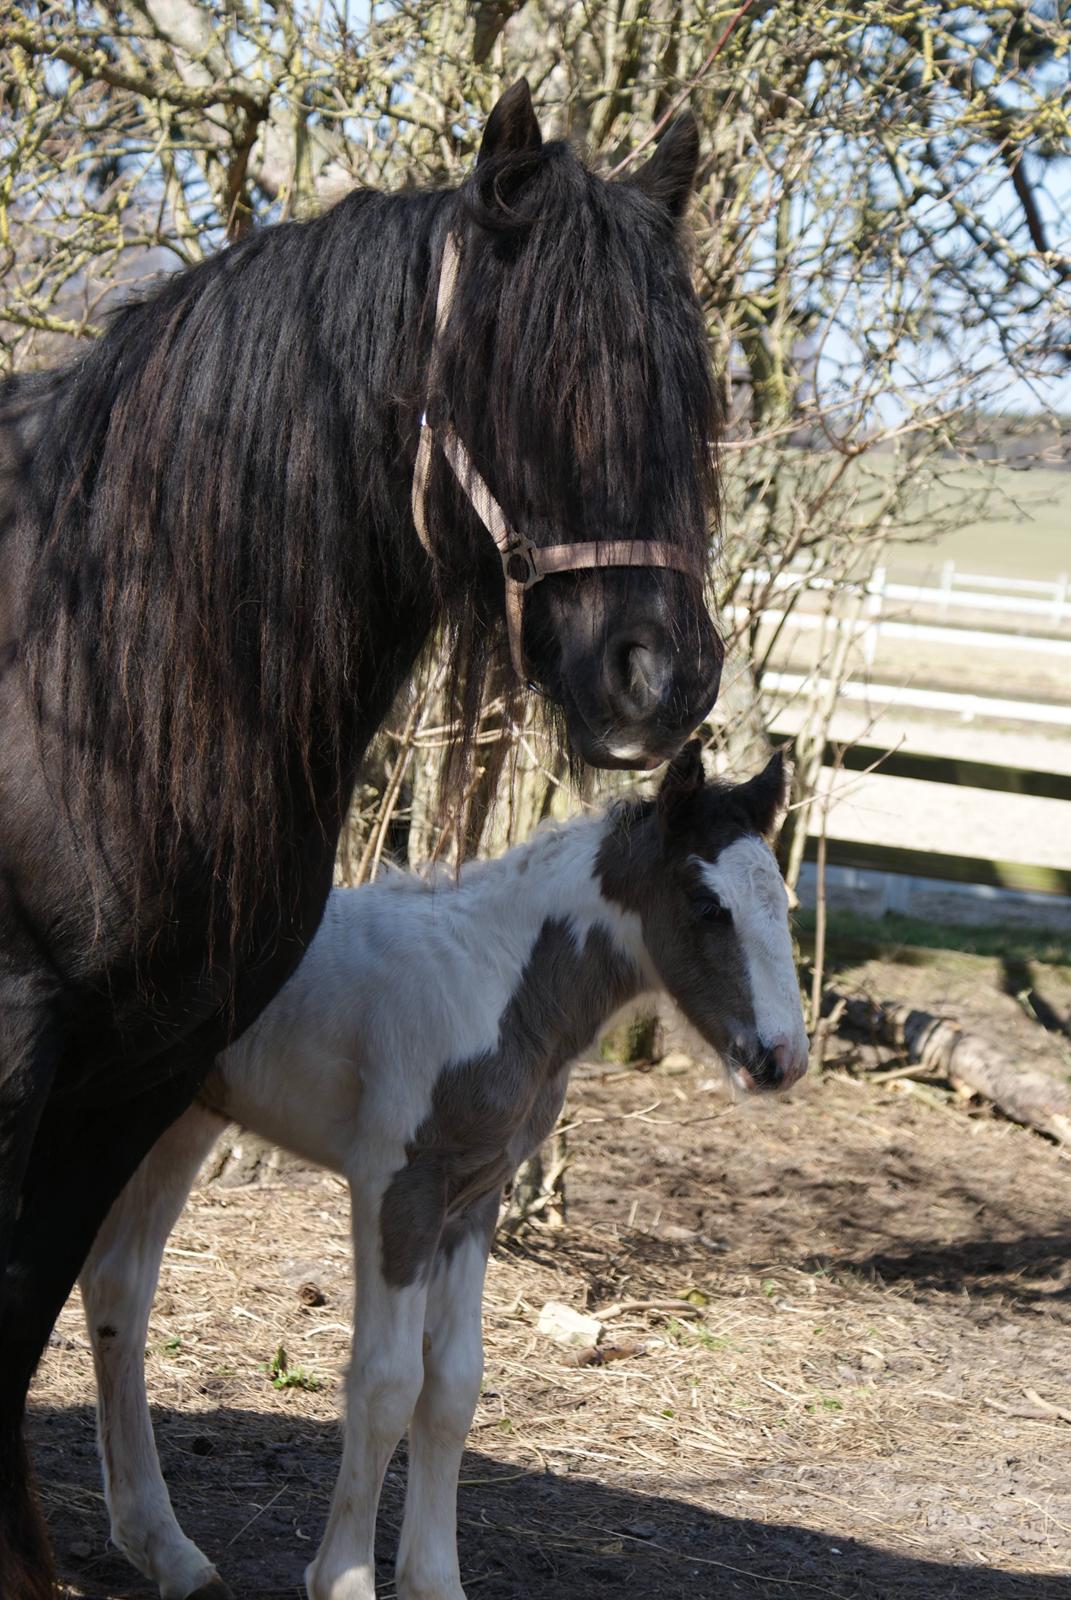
(479, 1219)
(647, 871)
(490, 1111)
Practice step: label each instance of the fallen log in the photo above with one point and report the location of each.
(1026, 1094)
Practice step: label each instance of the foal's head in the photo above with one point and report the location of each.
(696, 867)
(574, 367)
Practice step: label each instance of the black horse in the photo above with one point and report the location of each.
(211, 589)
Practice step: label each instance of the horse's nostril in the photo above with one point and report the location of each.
(638, 670)
(640, 676)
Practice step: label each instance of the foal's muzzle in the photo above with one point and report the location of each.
(761, 1068)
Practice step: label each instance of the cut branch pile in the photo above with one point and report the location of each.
(1025, 1093)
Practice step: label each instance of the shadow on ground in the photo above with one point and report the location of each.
(1032, 1270)
(252, 1489)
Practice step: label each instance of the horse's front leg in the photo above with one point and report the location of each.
(453, 1367)
(386, 1372)
(118, 1283)
(29, 1053)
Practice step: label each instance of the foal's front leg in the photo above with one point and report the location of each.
(453, 1369)
(386, 1372)
(118, 1283)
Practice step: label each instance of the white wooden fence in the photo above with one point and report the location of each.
(1033, 600)
(903, 873)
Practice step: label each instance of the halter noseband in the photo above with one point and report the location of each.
(523, 563)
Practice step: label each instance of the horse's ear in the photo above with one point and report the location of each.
(683, 781)
(512, 128)
(765, 797)
(670, 173)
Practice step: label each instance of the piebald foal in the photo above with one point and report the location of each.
(422, 1049)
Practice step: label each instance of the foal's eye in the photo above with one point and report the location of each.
(711, 910)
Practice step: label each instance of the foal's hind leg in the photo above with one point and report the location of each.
(118, 1283)
(453, 1367)
(29, 1051)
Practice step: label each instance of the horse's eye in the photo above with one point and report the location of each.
(711, 910)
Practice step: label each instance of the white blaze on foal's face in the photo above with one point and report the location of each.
(745, 880)
(697, 870)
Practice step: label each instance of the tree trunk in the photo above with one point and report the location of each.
(1026, 1094)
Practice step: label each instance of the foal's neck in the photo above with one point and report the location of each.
(553, 881)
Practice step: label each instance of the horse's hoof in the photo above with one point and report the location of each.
(215, 1590)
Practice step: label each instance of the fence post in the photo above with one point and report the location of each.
(875, 604)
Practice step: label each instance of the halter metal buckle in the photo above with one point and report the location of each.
(520, 564)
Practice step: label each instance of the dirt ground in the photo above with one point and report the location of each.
(869, 1395)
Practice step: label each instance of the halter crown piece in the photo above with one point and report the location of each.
(523, 563)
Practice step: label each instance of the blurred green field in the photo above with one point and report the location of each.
(997, 521)
(1020, 526)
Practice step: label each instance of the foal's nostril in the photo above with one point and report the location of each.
(765, 1068)
(763, 1065)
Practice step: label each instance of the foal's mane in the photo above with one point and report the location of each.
(215, 495)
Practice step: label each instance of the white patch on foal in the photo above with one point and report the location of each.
(747, 880)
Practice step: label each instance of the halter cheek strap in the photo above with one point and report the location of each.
(523, 563)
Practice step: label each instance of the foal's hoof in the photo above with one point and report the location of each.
(216, 1590)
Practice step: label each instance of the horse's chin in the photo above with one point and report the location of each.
(620, 750)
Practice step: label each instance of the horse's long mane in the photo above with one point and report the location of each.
(218, 498)
(215, 495)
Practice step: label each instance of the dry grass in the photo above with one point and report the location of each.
(853, 1405)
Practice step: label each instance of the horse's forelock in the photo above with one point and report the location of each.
(575, 363)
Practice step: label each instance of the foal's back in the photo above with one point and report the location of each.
(475, 988)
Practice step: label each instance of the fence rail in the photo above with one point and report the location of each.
(951, 769)
(1019, 876)
(871, 628)
(789, 685)
(1030, 598)
(969, 591)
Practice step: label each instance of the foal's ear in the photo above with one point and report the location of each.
(512, 128)
(765, 797)
(683, 781)
(670, 173)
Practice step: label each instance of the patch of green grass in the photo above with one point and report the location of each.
(825, 1402)
(284, 1376)
(881, 938)
(1021, 533)
(694, 1333)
